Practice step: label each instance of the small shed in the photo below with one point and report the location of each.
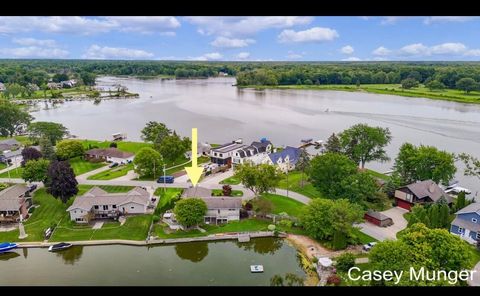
(378, 218)
(325, 262)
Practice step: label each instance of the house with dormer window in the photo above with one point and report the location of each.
(286, 159)
(467, 223)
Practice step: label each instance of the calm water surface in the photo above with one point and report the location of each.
(202, 263)
(221, 112)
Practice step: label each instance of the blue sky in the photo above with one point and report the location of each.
(242, 38)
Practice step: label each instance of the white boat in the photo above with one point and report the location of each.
(256, 268)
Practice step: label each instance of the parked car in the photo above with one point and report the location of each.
(166, 179)
(113, 165)
(369, 246)
(32, 187)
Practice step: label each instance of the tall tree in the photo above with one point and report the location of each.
(51, 130)
(262, 206)
(327, 171)
(47, 149)
(67, 149)
(171, 148)
(155, 132)
(359, 188)
(466, 84)
(333, 144)
(190, 211)
(61, 182)
(257, 178)
(472, 165)
(36, 170)
(12, 118)
(303, 163)
(30, 153)
(148, 162)
(364, 143)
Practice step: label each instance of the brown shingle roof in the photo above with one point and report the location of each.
(109, 152)
(428, 188)
(9, 200)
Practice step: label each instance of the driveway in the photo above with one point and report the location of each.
(390, 232)
(476, 276)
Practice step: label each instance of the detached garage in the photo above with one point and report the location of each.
(378, 219)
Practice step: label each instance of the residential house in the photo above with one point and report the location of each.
(222, 155)
(467, 223)
(203, 149)
(54, 85)
(285, 160)
(10, 151)
(99, 204)
(2, 87)
(68, 83)
(109, 154)
(14, 203)
(9, 144)
(423, 192)
(255, 153)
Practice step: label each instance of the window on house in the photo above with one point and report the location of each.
(114, 206)
(409, 197)
(105, 207)
(460, 230)
(478, 235)
(75, 212)
(95, 207)
(474, 220)
(132, 208)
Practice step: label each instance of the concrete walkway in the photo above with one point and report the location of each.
(476, 276)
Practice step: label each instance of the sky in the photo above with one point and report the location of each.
(355, 38)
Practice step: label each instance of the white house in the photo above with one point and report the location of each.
(223, 155)
(222, 209)
(110, 155)
(99, 204)
(255, 153)
(285, 160)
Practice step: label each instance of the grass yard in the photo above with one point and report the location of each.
(166, 197)
(2, 165)
(475, 256)
(113, 173)
(378, 175)
(219, 192)
(363, 238)
(284, 204)
(81, 166)
(122, 145)
(294, 184)
(15, 173)
(230, 181)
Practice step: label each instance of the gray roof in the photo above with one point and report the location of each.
(471, 208)
(109, 152)
(466, 224)
(377, 215)
(9, 197)
(98, 196)
(292, 153)
(228, 147)
(10, 154)
(224, 202)
(11, 142)
(428, 188)
(197, 192)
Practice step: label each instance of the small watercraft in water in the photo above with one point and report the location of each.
(4, 247)
(59, 247)
(256, 268)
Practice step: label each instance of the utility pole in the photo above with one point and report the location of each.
(288, 168)
(164, 178)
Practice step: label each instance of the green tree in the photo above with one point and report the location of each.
(88, 78)
(14, 90)
(262, 206)
(292, 279)
(51, 130)
(303, 163)
(327, 172)
(155, 132)
(148, 162)
(472, 165)
(29, 153)
(190, 211)
(171, 148)
(466, 84)
(276, 281)
(409, 83)
(359, 188)
(59, 77)
(258, 178)
(61, 182)
(363, 143)
(47, 149)
(345, 261)
(435, 85)
(35, 170)
(333, 144)
(424, 163)
(67, 149)
(12, 118)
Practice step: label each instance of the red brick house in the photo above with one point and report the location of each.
(423, 192)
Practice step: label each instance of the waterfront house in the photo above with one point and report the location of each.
(109, 154)
(222, 209)
(255, 153)
(467, 223)
(68, 83)
(14, 203)
(223, 154)
(286, 159)
(9, 144)
(423, 192)
(99, 204)
(203, 149)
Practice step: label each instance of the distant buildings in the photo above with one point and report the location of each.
(109, 155)
(223, 154)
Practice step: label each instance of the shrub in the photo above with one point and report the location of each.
(113, 145)
(227, 190)
(248, 206)
(155, 218)
(315, 260)
(243, 214)
(334, 280)
(285, 223)
(271, 227)
(345, 261)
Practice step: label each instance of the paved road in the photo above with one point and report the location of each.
(476, 276)
(390, 232)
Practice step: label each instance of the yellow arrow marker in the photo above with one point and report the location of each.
(194, 172)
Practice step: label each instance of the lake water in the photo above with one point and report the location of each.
(188, 264)
(222, 113)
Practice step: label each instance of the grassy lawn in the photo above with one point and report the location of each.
(81, 166)
(165, 198)
(284, 204)
(392, 89)
(113, 173)
(14, 173)
(122, 145)
(475, 256)
(230, 181)
(364, 238)
(2, 165)
(378, 175)
(82, 188)
(218, 192)
(294, 184)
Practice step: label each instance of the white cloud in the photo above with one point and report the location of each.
(381, 51)
(347, 49)
(243, 55)
(105, 52)
(390, 20)
(244, 26)
(168, 33)
(231, 42)
(352, 59)
(207, 57)
(315, 34)
(34, 42)
(448, 48)
(473, 53)
(86, 25)
(416, 49)
(293, 56)
(444, 19)
(33, 52)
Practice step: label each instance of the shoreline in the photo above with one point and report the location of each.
(346, 88)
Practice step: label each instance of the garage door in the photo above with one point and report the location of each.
(403, 204)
